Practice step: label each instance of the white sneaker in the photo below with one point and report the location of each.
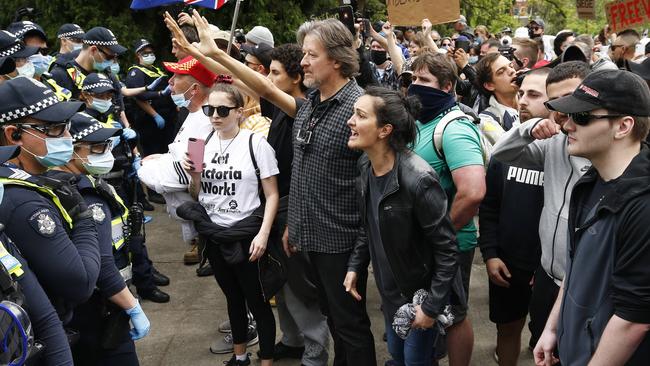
(224, 344)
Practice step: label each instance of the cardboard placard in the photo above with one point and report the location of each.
(586, 9)
(623, 14)
(411, 12)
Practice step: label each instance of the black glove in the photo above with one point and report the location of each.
(68, 194)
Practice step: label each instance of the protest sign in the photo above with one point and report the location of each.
(411, 12)
(586, 9)
(623, 14)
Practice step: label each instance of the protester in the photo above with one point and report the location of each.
(562, 40)
(508, 222)
(533, 146)
(600, 316)
(623, 47)
(461, 172)
(383, 126)
(496, 78)
(526, 51)
(491, 46)
(252, 166)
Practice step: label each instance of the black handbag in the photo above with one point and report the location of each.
(272, 271)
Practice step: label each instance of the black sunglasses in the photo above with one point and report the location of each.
(583, 118)
(50, 130)
(535, 28)
(109, 57)
(222, 110)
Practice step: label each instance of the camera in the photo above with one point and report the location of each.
(505, 48)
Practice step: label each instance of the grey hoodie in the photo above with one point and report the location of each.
(561, 172)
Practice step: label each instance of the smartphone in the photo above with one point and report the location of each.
(463, 44)
(346, 16)
(196, 149)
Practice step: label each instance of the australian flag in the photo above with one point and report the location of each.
(146, 4)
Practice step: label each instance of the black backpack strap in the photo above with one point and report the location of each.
(257, 169)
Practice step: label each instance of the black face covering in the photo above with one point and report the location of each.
(378, 57)
(434, 101)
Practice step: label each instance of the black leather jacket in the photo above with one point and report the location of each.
(416, 232)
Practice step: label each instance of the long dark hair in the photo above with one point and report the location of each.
(397, 110)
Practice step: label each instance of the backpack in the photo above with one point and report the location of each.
(486, 146)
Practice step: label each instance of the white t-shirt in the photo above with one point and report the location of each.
(229, 188)
(196, 125)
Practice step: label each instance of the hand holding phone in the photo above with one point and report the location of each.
(195, 151)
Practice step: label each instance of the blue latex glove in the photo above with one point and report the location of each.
(154, 84)
(137, 163)
(139, 320)
(128, 133)
(167, 91)
(160, 122)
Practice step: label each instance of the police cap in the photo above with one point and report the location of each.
(100, 36)
(22, 97)
(97, 83)
(13, 47)
(70, 30)
(25, 28)
(140, 44)
(85, 128)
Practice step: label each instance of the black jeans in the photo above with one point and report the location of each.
(347, 318)
(240, 283)
(541, 303)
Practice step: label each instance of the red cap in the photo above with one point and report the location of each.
(191, 66)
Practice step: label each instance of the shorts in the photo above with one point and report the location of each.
(459, 296)
(508, 304)
(545, 291)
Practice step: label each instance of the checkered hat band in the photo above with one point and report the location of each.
(28, 110)
(10, 51)
(101, 43)
(106, 84)
(81, 134)
(70, 34)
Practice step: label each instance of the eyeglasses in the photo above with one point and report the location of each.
(535, 28)
(50, 130)
(583, 118)
(248, 63)
(98, 147)
(109, 57)
(222, 110)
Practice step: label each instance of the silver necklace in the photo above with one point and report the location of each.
(227, 146)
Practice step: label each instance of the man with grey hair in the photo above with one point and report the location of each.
(323, 213)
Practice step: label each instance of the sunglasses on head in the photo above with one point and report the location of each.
(583, 118)
(49, 130)
(222, 110)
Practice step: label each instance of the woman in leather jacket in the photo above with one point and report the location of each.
(406, 230)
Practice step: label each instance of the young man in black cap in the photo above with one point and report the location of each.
(602, 312)
(98, 93)
(47, 219)
(92, 157)
(153, 114)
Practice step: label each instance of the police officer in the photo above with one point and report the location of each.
(97, 92)
(47, 219)
(48, 329)
(70, 38)
(12, 47)
(153, 113)
(105, 339)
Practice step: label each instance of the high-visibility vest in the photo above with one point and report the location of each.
(156, 73)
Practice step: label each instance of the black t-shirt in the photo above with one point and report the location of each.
(598, 191)
(280, 135)
(390, 293)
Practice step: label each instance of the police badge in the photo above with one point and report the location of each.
(98, 213)
(46, 224)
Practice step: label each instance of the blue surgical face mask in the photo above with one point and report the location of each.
(473, 60)
(101, 66)
(27, 70)
(77, 46)
(40, 62)
(149, 59)
(59, 151)
(99, 164)
(179, 99)
(115, 68)
(101, 105)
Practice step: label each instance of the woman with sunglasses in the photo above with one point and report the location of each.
(398, 189)
(237, 165)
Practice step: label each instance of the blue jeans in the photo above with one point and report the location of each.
(416, 349)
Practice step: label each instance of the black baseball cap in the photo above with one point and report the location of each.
(85, 128)
(11, 46)
(97, 83)
(7, 65)
(24, 28)
(8, 152)
(70, 30)
(261, 51)
(100, 36)
(22, 97)
(539, 22)
(140, 44)
(615, 90)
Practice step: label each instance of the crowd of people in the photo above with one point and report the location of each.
(292, 169)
